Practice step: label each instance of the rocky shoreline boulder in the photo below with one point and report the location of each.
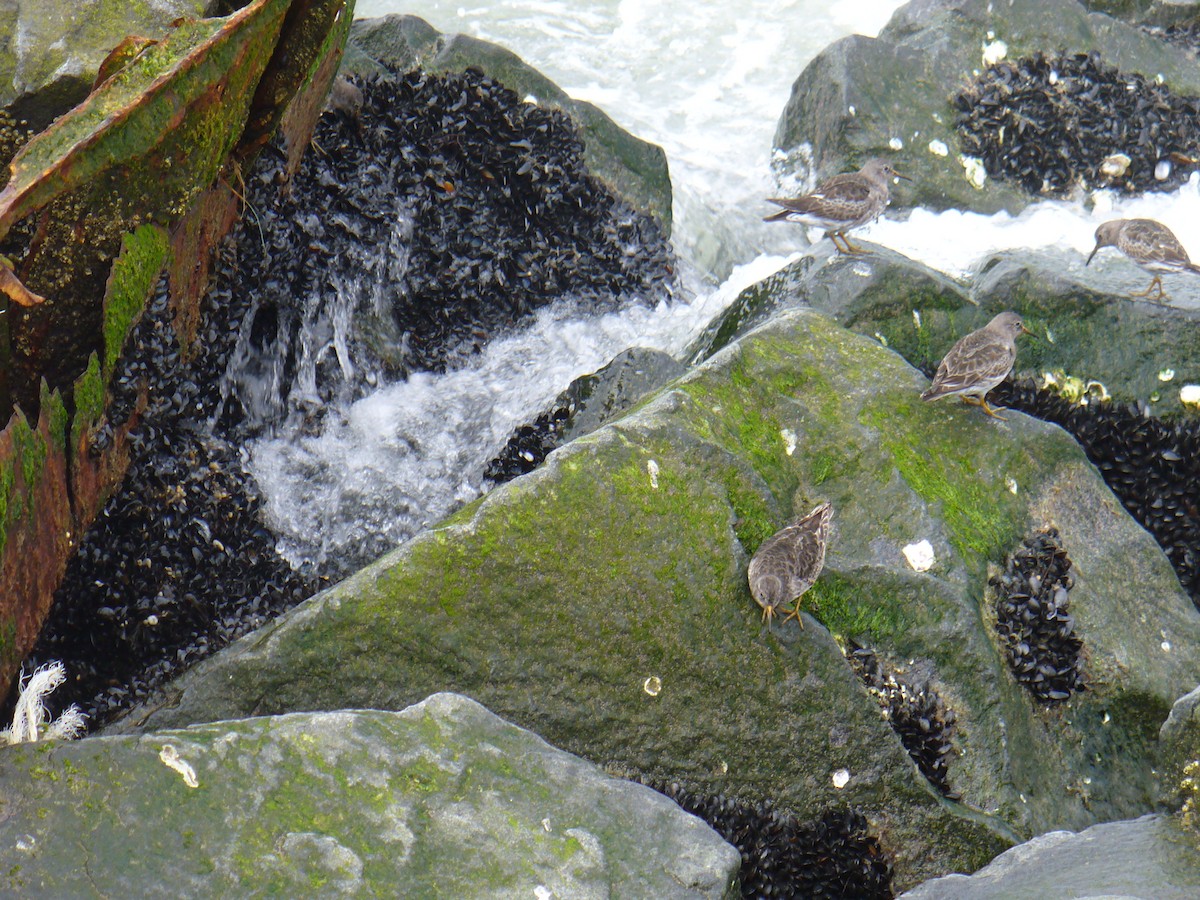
(441, 799)
(601, 601)
(892, 96)
(1090, 335)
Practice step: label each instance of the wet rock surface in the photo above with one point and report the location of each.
(449, 211)
(834, 857)
(587, 403)
(441, 799)
(440, 217)
(635, 575)
(1057, 124)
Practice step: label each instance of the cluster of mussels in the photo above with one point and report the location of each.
(835, 857)
(1183, 34)
(444, 212)
(529, 445)
(447, 207)
(916, 713)
(1051, 124)
(1033, 621)
(1151, 464)
(179, 562)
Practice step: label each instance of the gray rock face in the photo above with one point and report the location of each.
(50, 50)
(443, 799)
(634, 169)
(602, 602)
(860, 95)
(1145, 859)
(1087, 326)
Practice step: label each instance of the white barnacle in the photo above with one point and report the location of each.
(652, 468)
(1189, 395)
(652, 685)
(1011, 484)
(896, 143)
(1166, 374)
(994, 51)
(171, 759)
(938, 148)
(841, 778)
(975, 170)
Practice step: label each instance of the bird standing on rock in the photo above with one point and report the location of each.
(1148, 243)
(979, 362)
(788, 563)
(845, 201)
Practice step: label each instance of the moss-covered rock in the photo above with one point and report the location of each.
(892, 95)
(443, 799)
(53, 49)
(634, 169)
(1088, 329)
(601, 601)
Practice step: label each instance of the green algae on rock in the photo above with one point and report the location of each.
(441, 799)
(557, 596)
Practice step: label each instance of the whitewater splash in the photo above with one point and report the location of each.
(385, 467)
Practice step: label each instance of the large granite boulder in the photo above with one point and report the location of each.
(1148, 858)
(51, 50)
(1087, 326)
(892, 95)
(634, 169)
(442, 799)
(601, 601)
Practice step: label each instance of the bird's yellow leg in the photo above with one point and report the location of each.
(833, 236)
(1156, 283)
(991, 412)
(794, 614)
(852, 248)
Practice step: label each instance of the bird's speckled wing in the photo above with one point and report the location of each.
(788, 562)
(846, 188)
(1152, 241)
(976, 360)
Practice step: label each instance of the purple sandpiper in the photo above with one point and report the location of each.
(788, 562)
(979, 362)
(1148, 243)
(843, 202)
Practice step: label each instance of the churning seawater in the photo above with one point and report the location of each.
(706, 81)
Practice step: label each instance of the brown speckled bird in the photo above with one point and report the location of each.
(845, 201)
(1150, 244)
(979, 362)
(788, 563)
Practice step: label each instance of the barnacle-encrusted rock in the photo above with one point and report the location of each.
(441, 799)
(557, 596)
(893, 95)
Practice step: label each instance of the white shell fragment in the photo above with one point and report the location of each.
(789, 440)
(975, 170)
(171, 759)
(920, 556)
(994, 52)
(652, 468)
(1115, 166)
(1162, 171)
